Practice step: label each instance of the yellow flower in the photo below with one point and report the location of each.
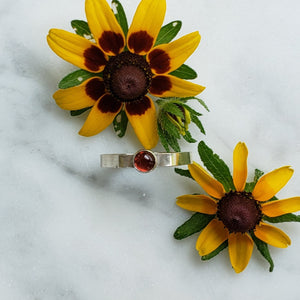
(238, 212)
(127, 75)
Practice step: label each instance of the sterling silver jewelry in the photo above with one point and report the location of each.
(145, 160)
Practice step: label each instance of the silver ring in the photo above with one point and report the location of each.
(145, 160)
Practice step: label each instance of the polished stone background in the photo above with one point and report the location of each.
(71, 230)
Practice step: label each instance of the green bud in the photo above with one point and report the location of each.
(182, 123)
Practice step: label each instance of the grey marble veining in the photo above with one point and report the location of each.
(71, 230)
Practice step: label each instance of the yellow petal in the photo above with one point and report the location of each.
(146, 25)
(198, 203)
(240, 248)
(104, 26)
(142, 116)
(281, 207)
(211, 237)
(171, 86)
(240, 155)
(101, 115)
(166, 58)
(271, 183)
(210, 185)
(272, 235)
(82, 96)
(76, 50)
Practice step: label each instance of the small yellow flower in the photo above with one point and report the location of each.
(238, 212)
(128, 75)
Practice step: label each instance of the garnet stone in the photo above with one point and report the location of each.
(239, 211)
(144, 161)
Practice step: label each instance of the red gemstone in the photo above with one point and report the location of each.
(144, 161)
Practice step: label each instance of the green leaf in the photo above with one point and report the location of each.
(160, 101)
(258, 173)
(194, 117)
(169, 127)
(184, 72)
(81, 28)
(172, 141)
(283, 218)
(216, 251)
(216, 166)
(168, 137)
(173, 109)
(188, 137)
(162, 137)
(195, 224)
(182, 172)
(263, 248)
(78, 112)
(120, 123)
(202, 103)
(250, 185)
(120, 15)
(75, 78)
(198, 99)
(168, 32)
(192, 111)
(183, 100)
(196, 121)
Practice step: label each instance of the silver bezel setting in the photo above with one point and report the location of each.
(151, 153)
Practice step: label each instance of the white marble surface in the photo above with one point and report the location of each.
(70, 230)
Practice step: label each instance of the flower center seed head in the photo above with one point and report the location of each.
(127, 76)
(239, 211)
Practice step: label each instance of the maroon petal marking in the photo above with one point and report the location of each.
(140, 41)
(159, 61)
(95, 88)
(160, 84)
(111, 42)
(138, 107)
(94, 58)
(108, 104)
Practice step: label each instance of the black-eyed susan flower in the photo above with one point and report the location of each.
(236, 216)
(132, 67)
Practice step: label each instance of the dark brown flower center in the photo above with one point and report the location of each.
(127, 76)
(239, 211)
